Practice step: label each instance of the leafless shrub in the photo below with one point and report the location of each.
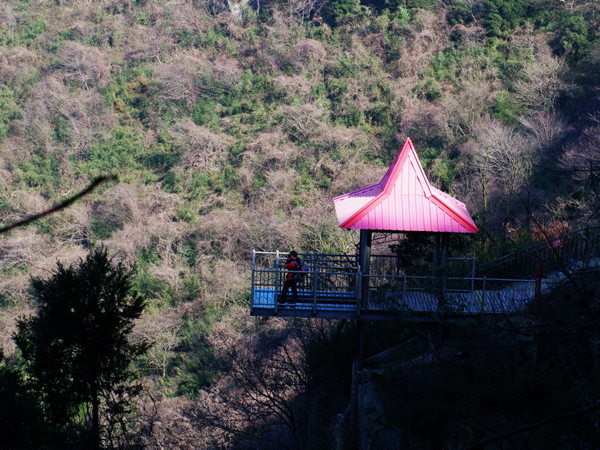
(23, 249)
(226, 283)
(352, 172)
(164, 424)
(546, 127)
(223, 228)
(194, 15)
(8, 19)
(88, 65)
(51, 106)
(471, 102)
(175, 83)
(471, 36)
(204, 150)
(116, 207)
(161, 330)
(582, 156)
(267, 232)
(225, 70)
(421, 119)
(357, 96)
(295, 86)
(28, 202)
(302, 123)
(320, 230)
(309, 55)
(502, 161)
(269, 150)
(151, 225)
(148, 43)
(302, 9)
(286, 48)
(425, 41)
(17, 65)
(73, 226)
(542, 81)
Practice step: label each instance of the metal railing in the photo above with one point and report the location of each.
(568, 252)
(334, 282)
(466, 295)
(331, 279)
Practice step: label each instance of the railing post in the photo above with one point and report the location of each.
(359, 288)
(473, 274)
(252, 281)
(483, 296)
(276, 281)
(404, 287)
(315, 282)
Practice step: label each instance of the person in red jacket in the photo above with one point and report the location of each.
(292, 264)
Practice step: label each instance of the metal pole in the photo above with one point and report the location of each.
(473, 274)
(359, 289)
(483, 297)
(315, 281)
(276, 281)
(436, 245)
(252, 281)
(365, 260)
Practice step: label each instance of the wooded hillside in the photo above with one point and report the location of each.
(231, 126)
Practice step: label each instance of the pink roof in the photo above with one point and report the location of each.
(403, 201)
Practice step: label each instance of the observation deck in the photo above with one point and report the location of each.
(336, 288)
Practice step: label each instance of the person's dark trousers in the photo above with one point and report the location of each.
(286, 286)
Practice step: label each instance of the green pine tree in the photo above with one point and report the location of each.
(77, 348)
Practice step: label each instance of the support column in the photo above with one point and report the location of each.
(436, 254)
(445, 240)
(364, 259)
(444, 261)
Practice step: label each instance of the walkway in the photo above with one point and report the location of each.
(508, 285)
(331, 289)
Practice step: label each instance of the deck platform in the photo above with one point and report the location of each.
(335, 288)
(411, 304)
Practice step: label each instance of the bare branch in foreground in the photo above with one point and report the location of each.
(97, 182)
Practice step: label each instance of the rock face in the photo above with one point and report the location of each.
(372, 431)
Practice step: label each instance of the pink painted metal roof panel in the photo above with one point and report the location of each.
(403, 201)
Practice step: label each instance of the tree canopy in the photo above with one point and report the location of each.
(77, 348)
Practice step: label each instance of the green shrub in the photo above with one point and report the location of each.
(337, 12)
(24, 33)
(121, 154)
(9, 111)
(506, 108)
(501, 17)
(574, 40)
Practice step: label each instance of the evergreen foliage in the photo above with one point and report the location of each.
(77, 348)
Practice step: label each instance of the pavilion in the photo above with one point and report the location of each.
(341, 286)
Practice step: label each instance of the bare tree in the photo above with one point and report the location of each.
(546, 127)
(88, 65)
(581, 160)
(160, 329)
(502, 157)
(261, 375)
(302, 122)
(542, 81)
(79, 117)
(175, 83)
(203, 149)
